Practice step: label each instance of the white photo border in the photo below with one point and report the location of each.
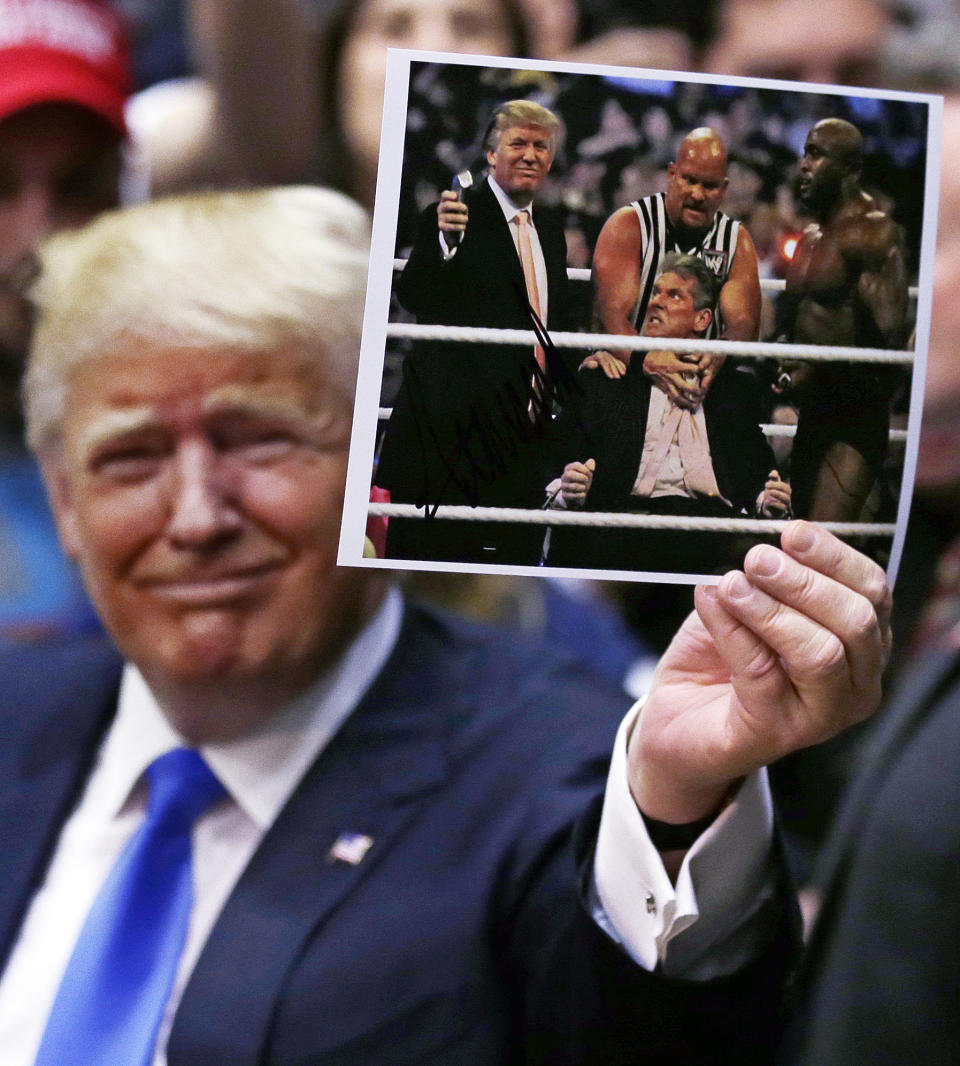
(380, 281)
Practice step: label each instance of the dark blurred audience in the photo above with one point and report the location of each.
(246, 111)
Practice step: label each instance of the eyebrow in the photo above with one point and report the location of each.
(239, 399)
(115, 424)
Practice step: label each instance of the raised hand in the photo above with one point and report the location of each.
(452, 213)
(576, 481)
(779, 656)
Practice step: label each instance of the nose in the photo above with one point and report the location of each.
(203, 513)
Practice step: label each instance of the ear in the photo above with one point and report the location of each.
(671, 170)
(702, 319)
(61, 496)
(491, 158)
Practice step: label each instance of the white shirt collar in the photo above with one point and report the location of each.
(507, 206)
(259, 770)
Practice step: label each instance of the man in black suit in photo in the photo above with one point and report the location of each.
(639, 450)
(468, 424)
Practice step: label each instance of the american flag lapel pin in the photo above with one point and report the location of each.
(350, 848)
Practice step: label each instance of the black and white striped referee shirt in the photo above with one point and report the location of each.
(717, 249)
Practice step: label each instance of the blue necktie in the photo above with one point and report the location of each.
(118, 980)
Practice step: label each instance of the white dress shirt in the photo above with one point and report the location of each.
(259, 771)
(673, 476)
(724, 876)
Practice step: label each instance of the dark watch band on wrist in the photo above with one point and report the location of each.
(670, 836)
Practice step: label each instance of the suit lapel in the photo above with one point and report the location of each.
(43, 769)
(489, 215)
(634, 393)
(388, 755)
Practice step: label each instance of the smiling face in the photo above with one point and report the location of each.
(671, 313)
(522, 159)
(201, 494)
(696, 183)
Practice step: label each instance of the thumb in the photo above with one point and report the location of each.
(591, 465)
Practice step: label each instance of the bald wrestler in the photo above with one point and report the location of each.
(846, 286)
(686, 219)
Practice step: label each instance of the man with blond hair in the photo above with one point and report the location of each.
(281, 816)
(468, 423)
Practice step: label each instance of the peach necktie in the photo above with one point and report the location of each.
(694, 454)
(522, 219)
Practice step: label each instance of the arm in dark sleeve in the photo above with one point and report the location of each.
(742, 456)
(428, 283)
(587, 1001)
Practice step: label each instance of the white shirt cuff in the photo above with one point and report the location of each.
(704, 926)
(447, 252)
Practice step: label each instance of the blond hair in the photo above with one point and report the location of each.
(523, 113)
(251, 270)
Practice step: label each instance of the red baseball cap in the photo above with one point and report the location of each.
(64, 51)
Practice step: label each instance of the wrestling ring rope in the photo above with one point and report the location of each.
(595, 341)
(618, 520)
(584, 274)
(769, 429)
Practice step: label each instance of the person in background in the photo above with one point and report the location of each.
(247, 112)
(880, 982)
(354, 63)
(889, 866)
(64, 81)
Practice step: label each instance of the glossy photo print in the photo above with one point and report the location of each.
(626, 324)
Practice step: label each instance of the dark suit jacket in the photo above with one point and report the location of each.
(609, 424)
(460, 938)
(614, 425)
(459, 432)
(882, 979)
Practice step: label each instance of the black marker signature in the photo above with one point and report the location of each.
(494, 431)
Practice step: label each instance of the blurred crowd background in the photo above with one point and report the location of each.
(241, 92)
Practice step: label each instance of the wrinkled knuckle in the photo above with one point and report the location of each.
(828, 654)
(761, 665)
(805, 584)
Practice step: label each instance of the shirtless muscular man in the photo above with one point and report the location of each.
(846, 286)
